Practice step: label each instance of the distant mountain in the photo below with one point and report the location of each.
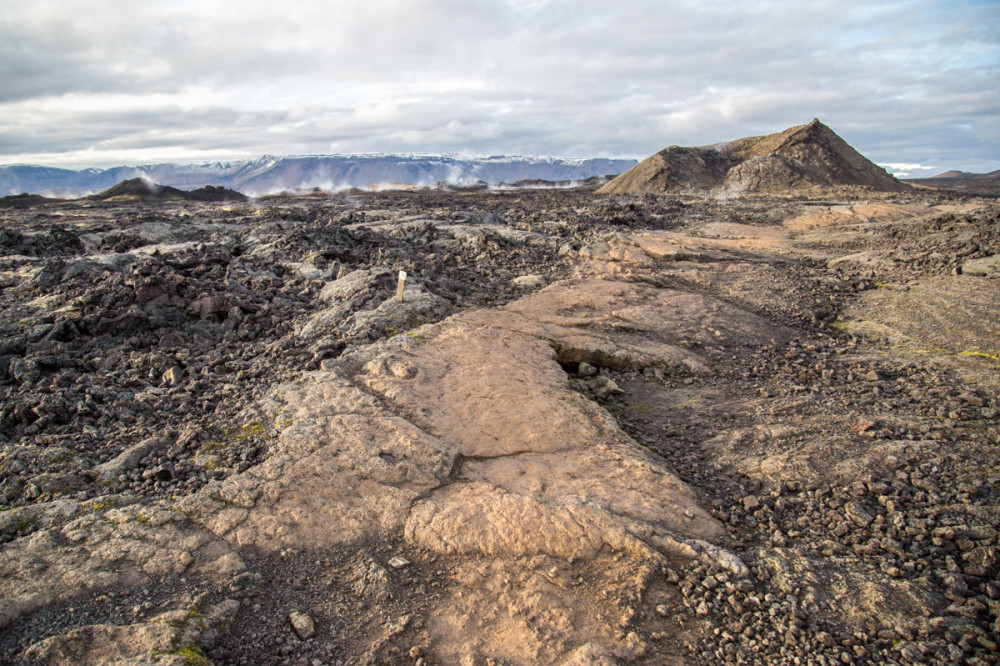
(956, 174)
(801, 158)
(329, 172)
(962, 181)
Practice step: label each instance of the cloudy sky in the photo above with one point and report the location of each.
(910, 83)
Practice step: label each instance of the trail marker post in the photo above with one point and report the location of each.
(399, 285)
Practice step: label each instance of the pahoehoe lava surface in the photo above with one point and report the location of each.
(597, 429)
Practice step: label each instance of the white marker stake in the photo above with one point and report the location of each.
(399, 285)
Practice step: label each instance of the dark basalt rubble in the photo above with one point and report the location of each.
(138, 340)
(176, 319)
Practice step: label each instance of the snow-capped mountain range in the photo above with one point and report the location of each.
(330, 172)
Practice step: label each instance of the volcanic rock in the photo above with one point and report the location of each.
(802, 158)
(746, 430)
(302, 624)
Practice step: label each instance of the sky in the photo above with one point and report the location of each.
(914, 84)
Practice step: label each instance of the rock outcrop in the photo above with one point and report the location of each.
(802, 158)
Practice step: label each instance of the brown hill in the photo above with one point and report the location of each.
(955, 174)
(802, 158)
(213, 193)
(25, 200)
(136, 189)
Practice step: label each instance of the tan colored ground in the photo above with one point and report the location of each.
(466, 438)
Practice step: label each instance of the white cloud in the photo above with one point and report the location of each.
(906, 170)
(898, 166)
(911, 83)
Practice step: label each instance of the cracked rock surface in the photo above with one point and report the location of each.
(596, 430)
